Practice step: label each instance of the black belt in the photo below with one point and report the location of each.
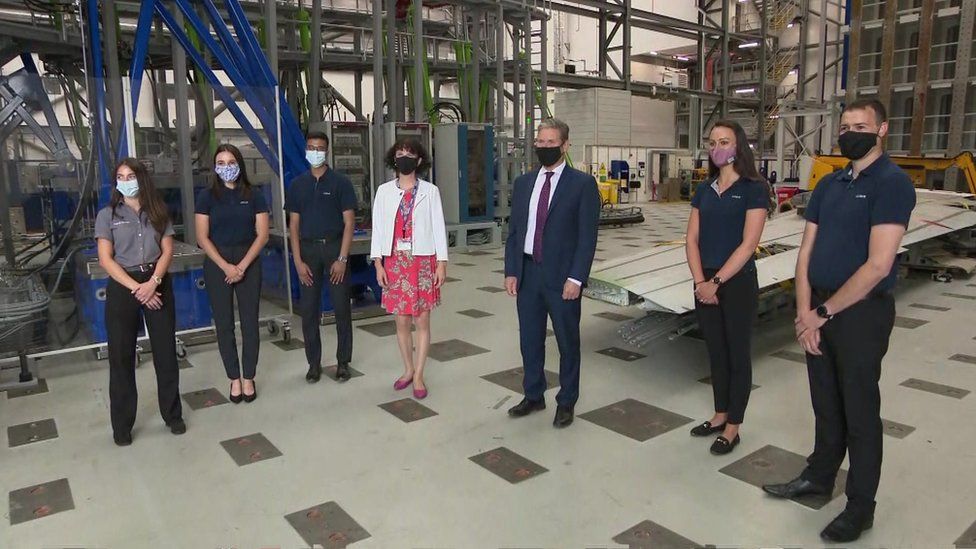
(326, 240)
(144, 268)
(824, 294)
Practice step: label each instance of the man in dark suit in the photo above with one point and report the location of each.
(548, 255)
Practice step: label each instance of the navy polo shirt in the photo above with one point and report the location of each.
(722, 218)
(320, 203)
(845, 209)
(232, 215)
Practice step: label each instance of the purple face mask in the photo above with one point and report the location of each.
(722, 157)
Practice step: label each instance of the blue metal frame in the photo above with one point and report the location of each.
(101, 140)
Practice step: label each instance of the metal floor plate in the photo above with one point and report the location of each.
(512, 379)
(330, 372)
(40, 388)
(616, 317)
(926, 307)
(650, 535)
(477, 253)
(508, 465)
(475, 313)
(327, 525)
(453, 349)
(968, 538)
(408, 410)
(792, 356)
(895, 429)
(492, 289)
(464, 264)
(958, 296)
(185, 364)
(936, 388)
(909, 323)
(380, 329)
(205, 398)
(250, 449)
(35, 431)
(40, 500)
(635, 419)
(291, 345)
(967, 359)
(622, 354)
(451, 279)
(771, 465)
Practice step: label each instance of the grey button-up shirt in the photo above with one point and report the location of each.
(135, 240)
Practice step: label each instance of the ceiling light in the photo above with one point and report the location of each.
(748, 45)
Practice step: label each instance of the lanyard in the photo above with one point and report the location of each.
(406, 209)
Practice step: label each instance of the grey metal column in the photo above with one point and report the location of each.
(184, 159)
(475, 103)
(500, 71)
(960, 85)
(5, 223)
(763, 77)
(271, 34)
(854, 58)
(419, 55)
(726, 63)
(544, 69)
(113, 78)
(602, 44)
(518, 116)
(377, 132)
(315, 65)
(358, 81)
(394, 91)
(626, 45)
(529, 86)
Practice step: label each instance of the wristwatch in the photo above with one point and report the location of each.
(822, 313)
(157, 280)
(717, 280)
(342, 259)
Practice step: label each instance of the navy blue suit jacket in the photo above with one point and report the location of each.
(569, 237)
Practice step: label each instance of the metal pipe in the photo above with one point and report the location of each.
(764, 73)
(183, 155)
(529, 86)
(377, 92)
(5, 224)
(476, 114)
(626, 45)
(500, 72)
(271, 34)
(419, 55)
(544, 69)
(315, 65)
(113, 80)
(726, 64)
(393, 93)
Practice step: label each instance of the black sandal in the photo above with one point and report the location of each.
(722, 446)
(706, 429)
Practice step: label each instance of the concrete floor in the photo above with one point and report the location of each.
(336, 456)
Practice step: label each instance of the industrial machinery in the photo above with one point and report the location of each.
(465, 170)
(350, 153)
(926, 173)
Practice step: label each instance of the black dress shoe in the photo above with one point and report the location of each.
(123, 440)
(723, 446)
(177, 427)
(564, 416)
(847, 527)
(314, 374)
(253, 396)
(795, 488)
(236, 399)
(706, 429)
(526, 407)
(342, 372)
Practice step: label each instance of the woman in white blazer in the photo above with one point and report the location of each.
(409, 251)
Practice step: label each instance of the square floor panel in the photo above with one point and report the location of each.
(184, 364)
(40, 500)
(380, 329)
(453, 349)
(967, 359)
(508, 465)
(792, 356)
(959, 296)
(633, 246)
(451, 279)
(35, 431)
(707, 380)
(478, 252)
(635, 419)
(627, 238)
(512, 379)
(652, 535)
(771, 465)
(895, 429)
(330, 372)
(926, 307)
(205, 398)
(475, 313)
(40, 387)
(968, 538)
(290, 345)
(622, 354)
(408, 410)
(250, 449)
(327, 525)
(909, 323)
(464, 264)
(492, 289)
(616, 317)
(935, 388)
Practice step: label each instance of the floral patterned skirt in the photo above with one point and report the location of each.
(410, 284)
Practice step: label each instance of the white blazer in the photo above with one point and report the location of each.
(429, 230)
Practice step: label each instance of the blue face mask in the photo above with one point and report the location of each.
(228, 173)
(315, 158)
(129, 189)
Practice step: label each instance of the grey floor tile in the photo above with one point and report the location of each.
(959, 296)
(968, 359)
(895, 429)
(250, 449)
(478, 252)
(465, 264)
(453, 349)
(451, 279)
(622, 354)
(499, 271)
(327, 525)
(968, 538)
(205, 398)
(707, 380)
(40, 388)
(290, 345)
(185, 364)
(40, 500)
(771, 465)
(792, 356)
(649, 535)
(909, 323)
(936, 388)
(492, 289)
(330, 372)
(380, 329)
(35, 431)
(408, 410)
(512, 379)
(635, 419)
(616, 317)
(930, 307)
(508, 465)
(475, 313)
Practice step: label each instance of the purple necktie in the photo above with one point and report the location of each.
(541, 213)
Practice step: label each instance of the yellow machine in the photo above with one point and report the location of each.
(916, 167)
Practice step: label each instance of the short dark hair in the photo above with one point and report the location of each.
(880, 112)
(411, 145)
(555, 124)
(317, 135)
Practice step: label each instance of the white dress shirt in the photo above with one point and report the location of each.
(540, 181)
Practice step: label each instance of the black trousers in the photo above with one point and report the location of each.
(535, 303)
(727, 328)
(122, 323)
(319, 257)
(846, 398)
(248, 293)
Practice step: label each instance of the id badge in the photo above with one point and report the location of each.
(403, 245)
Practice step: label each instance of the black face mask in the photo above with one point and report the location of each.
(548, 156)
(406, 165)
(855, 145)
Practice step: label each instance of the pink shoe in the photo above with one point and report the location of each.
(402, 384)
(420, 394)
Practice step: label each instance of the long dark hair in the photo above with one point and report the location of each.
(149, 199)
(243, 183)
(745, 160)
